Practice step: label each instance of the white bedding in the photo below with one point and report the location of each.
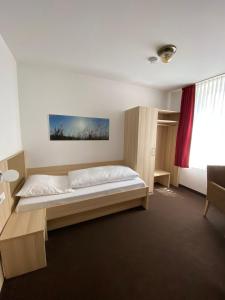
(100, 175)
(82, 194)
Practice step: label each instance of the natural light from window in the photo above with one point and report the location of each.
(208, 136)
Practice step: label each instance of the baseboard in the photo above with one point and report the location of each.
(194, 191)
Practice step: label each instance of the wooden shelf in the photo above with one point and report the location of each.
(163, 111)
(162, 177)
(167, 122)
(160, 173)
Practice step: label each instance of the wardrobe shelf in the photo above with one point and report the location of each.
(167, 122)
(167, 112)
(160, 173)
(162, 177)
(150, 149)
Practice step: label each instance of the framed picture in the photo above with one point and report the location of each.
(78, 128)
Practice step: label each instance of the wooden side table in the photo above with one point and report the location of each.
(22, 243)
(162, 177)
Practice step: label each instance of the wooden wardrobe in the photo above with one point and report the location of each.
(149, 144)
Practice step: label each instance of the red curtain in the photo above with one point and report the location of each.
(184, 133)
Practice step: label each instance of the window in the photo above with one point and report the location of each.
(208, 136)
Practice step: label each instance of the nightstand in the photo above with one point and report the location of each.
(22, 243)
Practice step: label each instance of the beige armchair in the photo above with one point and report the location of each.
(215, 188)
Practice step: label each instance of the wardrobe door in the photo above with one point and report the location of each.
(131, 137)
(147, 130)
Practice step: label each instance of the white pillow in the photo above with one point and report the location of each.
(44, 185)
(99, 175)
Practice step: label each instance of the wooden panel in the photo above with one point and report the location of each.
(170, 155)
(14, 162)
(20, 224)
(131, 137)
(147, 144)
(17, 162)
(22, 243)
(161, 147)
(92, 214)
(23, 255)
(1, 276)
(94, 203)
(5, 210)
(140, 141)
(64, 169)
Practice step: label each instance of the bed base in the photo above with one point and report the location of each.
(79, 211)
(31, 238)
(92, 214)
(69, 214)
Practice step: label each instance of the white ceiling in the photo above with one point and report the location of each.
(113, 38)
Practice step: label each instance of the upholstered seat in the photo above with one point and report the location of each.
(215, 188)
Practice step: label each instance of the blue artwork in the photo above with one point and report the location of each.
(78, 128)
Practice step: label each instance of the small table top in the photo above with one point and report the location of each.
(20, 224)
(160, 173)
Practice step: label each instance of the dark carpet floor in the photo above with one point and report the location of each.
(169, 252)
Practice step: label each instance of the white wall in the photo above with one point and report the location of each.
(47, 90)
(174, 100)
(195, 179)
(10, 141)
(191, 177)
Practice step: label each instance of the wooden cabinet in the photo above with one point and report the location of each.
(149, 144)
(22, 243)
(140, 141)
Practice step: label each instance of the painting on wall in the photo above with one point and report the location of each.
(78, 128)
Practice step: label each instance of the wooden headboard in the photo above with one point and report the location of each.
(16, 162)
(64, 169)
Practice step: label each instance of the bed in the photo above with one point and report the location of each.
(78, 195)
(24, 234)
(84, 203)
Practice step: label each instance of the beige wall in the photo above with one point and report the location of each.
(10, 141)
(49, 90)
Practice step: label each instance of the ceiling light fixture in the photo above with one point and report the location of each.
(153, 59)
(166, 53)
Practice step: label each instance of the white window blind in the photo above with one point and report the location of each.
(208, 136)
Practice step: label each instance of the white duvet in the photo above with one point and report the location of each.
(82, 194)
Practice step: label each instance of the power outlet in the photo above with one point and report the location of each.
(2, 197)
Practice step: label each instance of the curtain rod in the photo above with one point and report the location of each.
(212, 77)
(180, 89)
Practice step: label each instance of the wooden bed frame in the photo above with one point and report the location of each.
(23, 235)
(64, 215)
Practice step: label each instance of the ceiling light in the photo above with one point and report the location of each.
(166, 53)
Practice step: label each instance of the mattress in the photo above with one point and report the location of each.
(81, 194)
